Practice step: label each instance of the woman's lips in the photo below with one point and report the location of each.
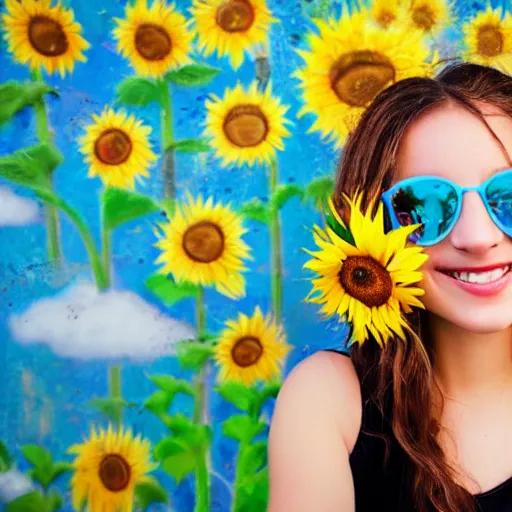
(479, 289)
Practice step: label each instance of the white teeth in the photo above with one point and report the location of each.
(481, 277)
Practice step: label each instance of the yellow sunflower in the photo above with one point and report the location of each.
(246, 126)
(154, 39)
(117, 148)
(43, 36)
(350, 62)
(251, 349)
(107, 467)
(202, 244)
(488, 37)
(429, 16)
(230, 27)
(385, 12)
(369, 281)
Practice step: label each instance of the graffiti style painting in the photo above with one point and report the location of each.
(162, 169)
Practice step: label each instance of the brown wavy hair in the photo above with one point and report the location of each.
(399, 378)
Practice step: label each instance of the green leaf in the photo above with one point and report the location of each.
(159, 403)
(240, 396)
(32, 502)
(31, 166)
(252, 458)
(120, 206)
(252, 494)
(192, 75)
(256, 210)
(284, 193)
(168, 291)
(136, 91)
(191, 145)
(176, 456)
(148, 492)
(60, 468)
(342, 232)
(173, 386)
(109, 406)
(194, 354)
(179, 424)
(5, 458)
(242, 428)
(320, 190)
(269, 391)
(16, 96)
(37, 456)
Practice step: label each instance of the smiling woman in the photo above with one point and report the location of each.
(422, 424)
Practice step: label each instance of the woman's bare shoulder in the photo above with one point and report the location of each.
(326, 383)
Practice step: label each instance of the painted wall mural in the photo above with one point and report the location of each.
(162, 167)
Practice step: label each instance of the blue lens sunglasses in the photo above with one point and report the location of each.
(436, 204)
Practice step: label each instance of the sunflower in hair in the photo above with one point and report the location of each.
(367, 275)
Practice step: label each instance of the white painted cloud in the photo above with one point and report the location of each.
(16, 210)
(14, 484)
(82, 323)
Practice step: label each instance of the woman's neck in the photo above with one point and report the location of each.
(466, 363)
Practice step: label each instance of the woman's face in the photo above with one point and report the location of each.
(452, 143)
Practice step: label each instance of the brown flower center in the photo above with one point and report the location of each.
(235, 16)
(423, 18)
(47, 36)
(359, 76)
(247, 351)
(203, 242)
(114, 472)
(366, 280)
(489, 41)
(246, 126)
(152, 42)
(385, 18)
(113, 147)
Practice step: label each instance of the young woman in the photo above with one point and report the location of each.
(424, 425)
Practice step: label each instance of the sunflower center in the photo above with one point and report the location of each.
(203, 242)
(423, 17)
(113, 147)
(385, 18)
(246, 126)
(47, 36)
(490, 41)
(247, 351)
(359, 76)
(114, 472)
(366, 280)
(152, 42)
(235, 16)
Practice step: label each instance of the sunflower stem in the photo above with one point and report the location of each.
(114, 384)
(44, 136)
(200, 415)
(275, 245)
(106, 235)
(167, 136)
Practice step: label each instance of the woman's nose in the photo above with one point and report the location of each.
(475, 231)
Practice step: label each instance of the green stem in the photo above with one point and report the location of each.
(44, 135)
(275, 245)
(114, 384)
(202, 486)
(94, 256)
(168, 164)
(106, 235)
(199, 417)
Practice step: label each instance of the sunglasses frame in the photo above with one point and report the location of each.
(386, 198)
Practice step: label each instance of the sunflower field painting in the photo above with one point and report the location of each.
(167, 249)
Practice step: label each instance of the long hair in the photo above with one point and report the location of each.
(399, 378)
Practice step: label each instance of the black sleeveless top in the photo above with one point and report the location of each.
(380, 487)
